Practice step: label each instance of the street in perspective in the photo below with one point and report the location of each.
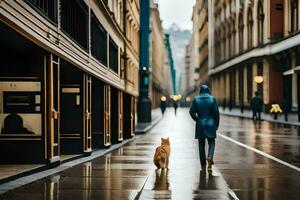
(149, 99)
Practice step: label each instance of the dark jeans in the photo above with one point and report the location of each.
(211, 149)
(256, 115)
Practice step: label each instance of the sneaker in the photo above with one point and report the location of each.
(203, 168)
(210, 163)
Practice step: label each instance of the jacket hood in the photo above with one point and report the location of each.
(204, 89)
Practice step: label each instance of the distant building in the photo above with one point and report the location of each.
(178, 40)
(190, 76)
(254, 45)
(160, 71)
(196, 59)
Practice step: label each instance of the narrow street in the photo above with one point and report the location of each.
(128, 172)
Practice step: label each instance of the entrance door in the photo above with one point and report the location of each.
(52, 111)
(132, 115)
(287, 91)
(107, 131)
(87, 136)
(241, 89)
(120, 118)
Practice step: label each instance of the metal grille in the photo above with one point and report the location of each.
(74, 20)
(98, 40)
(47, 7)
(113, 56)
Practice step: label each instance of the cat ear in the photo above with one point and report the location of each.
(162, 139)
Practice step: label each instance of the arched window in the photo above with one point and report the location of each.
(241, 32)
(226, 41)
(260, 24)
(294, 15)
(229, 36)
(250, 28)
(233, 40)
(217, 46)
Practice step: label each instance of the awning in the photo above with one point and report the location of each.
(288, 72)
(297, 69)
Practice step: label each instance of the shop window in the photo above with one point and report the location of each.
(260, 25)
(98, 40)
(294, 15)
(74, 20)
(250, 28)
(46, 7)
(113, 56)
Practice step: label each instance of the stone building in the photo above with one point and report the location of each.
(68, 77)
(190, 76)
(254, 46)
(196, 69)
(160, 78)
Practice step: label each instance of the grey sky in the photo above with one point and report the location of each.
(176, 11)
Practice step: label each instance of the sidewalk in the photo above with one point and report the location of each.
(128, 172)
(292, 118)
(15, 171)
(142, 128)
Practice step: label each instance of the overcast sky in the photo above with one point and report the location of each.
(176, 11)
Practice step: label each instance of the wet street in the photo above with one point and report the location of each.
(252, 161)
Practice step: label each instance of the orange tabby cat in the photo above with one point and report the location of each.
(162, 154)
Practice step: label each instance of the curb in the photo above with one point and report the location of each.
(26, 179)
(268, 120)
(148, 127)
(44, 171)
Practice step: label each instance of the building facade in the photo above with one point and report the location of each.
(190, 75)
(196, 58)
(160, 77)
(254, 46)
(68, 77)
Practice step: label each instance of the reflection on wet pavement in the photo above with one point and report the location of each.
(129, 172)
(252, 176)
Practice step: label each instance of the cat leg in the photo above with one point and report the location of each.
(167, 163)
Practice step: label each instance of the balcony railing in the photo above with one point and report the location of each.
(45, 7)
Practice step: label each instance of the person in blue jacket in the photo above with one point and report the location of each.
(204, 111)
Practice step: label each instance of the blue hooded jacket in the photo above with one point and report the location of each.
(204, 111)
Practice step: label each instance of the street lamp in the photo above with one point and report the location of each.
(258, 79)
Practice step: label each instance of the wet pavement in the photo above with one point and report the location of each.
(253, 176)
(128, 172)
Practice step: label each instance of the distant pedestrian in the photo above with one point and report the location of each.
(175, 105)
(256, 106)
(285, 110)
(163, 104)
(204, 111)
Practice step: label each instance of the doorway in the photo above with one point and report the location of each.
(128, 116)
(71, 106)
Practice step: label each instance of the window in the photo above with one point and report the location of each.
(241, 33)
(233, 38)
(119, 12)
(98, 40)
(294, 15)
(230, 37)
(250, 29)
(260, 24)
(113, 56)
(74, 20)
(46, 7)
